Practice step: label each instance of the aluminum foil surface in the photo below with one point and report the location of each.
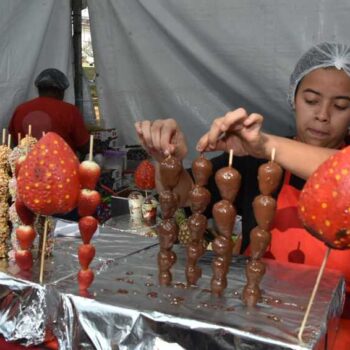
(28, 309)
(126, 308)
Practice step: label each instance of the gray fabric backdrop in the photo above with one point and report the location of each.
(195, 60)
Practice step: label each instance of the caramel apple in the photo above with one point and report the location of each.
(264, 210)
(228, 181)
(202, 169)
(170, 170)
(269, 177)
(224, 215)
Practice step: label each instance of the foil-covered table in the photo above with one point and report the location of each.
(126, 309)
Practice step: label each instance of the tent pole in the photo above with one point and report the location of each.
(78, 69)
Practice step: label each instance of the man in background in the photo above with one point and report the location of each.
(49, 112)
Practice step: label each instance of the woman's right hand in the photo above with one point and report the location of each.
(161, 138)
(238, 131)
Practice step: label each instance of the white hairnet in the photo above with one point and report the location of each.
(319, 56)
(51, 78)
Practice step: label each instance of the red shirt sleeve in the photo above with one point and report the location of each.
(80, 135)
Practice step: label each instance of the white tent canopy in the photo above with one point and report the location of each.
(189, 60)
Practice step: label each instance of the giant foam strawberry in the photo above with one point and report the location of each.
(145, 175)
(48, 180)
(324, 203)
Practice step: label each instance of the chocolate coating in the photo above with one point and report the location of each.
(170, 170)
(166, 259)
(218, 286)
(202, 169)
(197, 223)
(255, 271)
(251, 295)
(224, 215)
(193, 273)
(228, 181)
(167, 232)
(199, 198)
(259, 241)
(194, 252)
(165, 278)
(222, 246)
(220, 267)
(269, 177)
(168, 202)
(264, 210)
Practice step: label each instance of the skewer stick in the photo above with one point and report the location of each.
(313, 294)
(44, 133)
(43, 249)
(273, 153)
(18, 138)
(91, 147)
(30, 129)
(230, 158)
(9, 141)
(3, 136)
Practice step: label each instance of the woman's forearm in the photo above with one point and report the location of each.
(297, 157)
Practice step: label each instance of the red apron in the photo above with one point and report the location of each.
(291, 243)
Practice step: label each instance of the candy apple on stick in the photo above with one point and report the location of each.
(48, 181)
(324, 210)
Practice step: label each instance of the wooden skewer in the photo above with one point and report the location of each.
(30, 130)
(273, 153)
(9, 141)
(43, 249)
(44, 133)
(91, 147)
(3, 136)
(230, 158)
(19, 138)
(313, 294)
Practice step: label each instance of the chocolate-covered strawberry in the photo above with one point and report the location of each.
(170, 170)
(269, 177)
(167, 232)
(259, 241)
(197, 223)
(228, 181)
(168, 202)
(264, 210)
(224, 215)
(199, 198)
(202, 169)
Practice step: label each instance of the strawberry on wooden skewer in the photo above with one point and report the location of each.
(88, 202)
(86, 253)
(89, 173)
(25, 235)
(85, 278)
(27, 216)
(24, 259)
(87, 227)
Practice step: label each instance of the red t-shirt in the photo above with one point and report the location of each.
(49, 114)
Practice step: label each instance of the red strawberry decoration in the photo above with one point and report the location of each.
(89, 173)
(27, 217)
(24, 259)
(25, 235)
(87, 228)
(86, 253)
(88, 202)
(85, 278)
(145, 175)
(324, 203)
(48, 179)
